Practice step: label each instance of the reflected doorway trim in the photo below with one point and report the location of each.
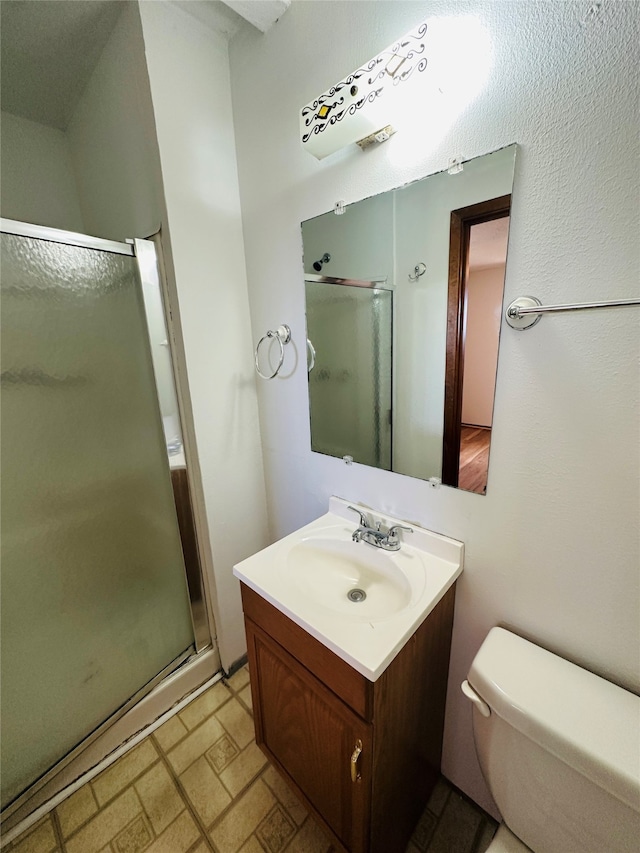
(461, 222)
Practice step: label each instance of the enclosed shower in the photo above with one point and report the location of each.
(100, 595)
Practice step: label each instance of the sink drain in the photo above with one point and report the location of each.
(356, 595)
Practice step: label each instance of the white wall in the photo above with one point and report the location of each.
(153, 133)
(112, 140)
(38, 183)
(189, 75)
(483, 314)
(552, 550)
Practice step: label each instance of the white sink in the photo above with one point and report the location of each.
(352, 580)
(310, 574)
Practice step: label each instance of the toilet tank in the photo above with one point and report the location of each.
(559, 750)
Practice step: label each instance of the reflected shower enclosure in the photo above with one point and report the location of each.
(349, 332)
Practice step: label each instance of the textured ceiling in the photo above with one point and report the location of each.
(262, 14)
(215, 14)
(48, 50)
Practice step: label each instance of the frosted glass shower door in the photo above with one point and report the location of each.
(94, 597)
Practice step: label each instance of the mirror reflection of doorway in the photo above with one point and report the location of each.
(478, 251)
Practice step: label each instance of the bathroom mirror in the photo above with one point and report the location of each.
(404, 295)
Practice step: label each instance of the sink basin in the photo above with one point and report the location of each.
(361, 602)
(350, 579)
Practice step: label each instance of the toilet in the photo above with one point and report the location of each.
(559, 749)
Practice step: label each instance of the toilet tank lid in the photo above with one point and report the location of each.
(587, 722)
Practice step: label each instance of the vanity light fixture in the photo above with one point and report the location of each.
(367, 105)
(376, 138)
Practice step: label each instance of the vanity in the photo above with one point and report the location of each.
(348, 648)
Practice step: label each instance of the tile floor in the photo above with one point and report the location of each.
(199, 784)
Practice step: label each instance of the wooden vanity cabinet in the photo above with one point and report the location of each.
(363, 756)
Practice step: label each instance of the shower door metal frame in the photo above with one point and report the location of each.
(200, 619)
(146, 255)
(71, 238)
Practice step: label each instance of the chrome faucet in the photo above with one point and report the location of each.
(386, 539)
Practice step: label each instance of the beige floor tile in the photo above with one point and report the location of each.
(243, 769)
(195, 745)
(286, 796)
(75, 810)
(41, 839)
(456, 829)
(439, 797)
(233, 830)
(178, 837)
(310, 839)
(251, 845)
(239, 678)
(206, 792)
(237, 721)
(486, 837)
(113, 780)
(104, 827)
(202, 707)
(135, 837)
(424, 830)
(170, 733)
(276, 830)
(245, 695)
(160, 797)
(203, 847)
(222, 753)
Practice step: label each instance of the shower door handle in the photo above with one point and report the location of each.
(311, 360)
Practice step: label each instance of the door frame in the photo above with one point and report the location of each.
(461, 222)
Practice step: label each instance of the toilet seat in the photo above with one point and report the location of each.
(505, 841)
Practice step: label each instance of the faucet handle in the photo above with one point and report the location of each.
(393, 531)
(364, 521)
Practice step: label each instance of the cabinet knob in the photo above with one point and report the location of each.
(355, 755)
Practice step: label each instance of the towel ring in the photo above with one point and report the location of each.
(283, 335)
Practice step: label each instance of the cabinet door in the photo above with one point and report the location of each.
(312, 736)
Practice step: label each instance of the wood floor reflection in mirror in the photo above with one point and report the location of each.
(474, 458)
